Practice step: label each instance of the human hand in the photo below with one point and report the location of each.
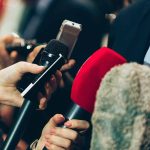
(7, 59)
(57, 138)
(56, 80)
(37, 49)
(8, 80)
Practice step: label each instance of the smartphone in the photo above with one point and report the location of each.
(68, 34)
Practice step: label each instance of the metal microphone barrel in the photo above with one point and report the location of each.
(16, 131)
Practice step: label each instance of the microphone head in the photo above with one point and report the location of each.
(121, 118)
(56, 47)
(90, 75)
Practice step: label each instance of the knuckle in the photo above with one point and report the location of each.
(54, 117)
(67, 143)
(52, 147)
(21, 63)
(74, 136)
(51, 138)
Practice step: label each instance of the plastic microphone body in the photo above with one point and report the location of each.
(88, 79)
(52, 58)
(23, 48)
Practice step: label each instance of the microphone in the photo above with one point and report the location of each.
(86, 83)
(121, 117)
(23, 48)
(46, 57)
(88, 80)
(52, 57)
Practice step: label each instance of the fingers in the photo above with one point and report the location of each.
(53, 141)
(77, 124)
(13, 54)
(11, 38)
(58, 76)
(68, 65)
(34, 53)
(53, 147)
(64, 133)
(55, 120)
(7, 39)
(50, 87)
(43, 103)
(24, 67)
(62, 138)
(15, 99)
(52, 84)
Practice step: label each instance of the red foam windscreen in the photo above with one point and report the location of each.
(88, 78)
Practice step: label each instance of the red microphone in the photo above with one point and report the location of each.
(88, 79)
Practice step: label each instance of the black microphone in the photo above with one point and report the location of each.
(52, 57)
(23, 48)
(46, 57)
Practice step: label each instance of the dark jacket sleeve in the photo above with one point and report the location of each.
(130, 34)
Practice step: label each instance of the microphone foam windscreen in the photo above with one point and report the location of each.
(121, 119)
(56, 47)
(90, 75)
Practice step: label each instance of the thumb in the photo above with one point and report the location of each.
(55, 120)
(25, 67)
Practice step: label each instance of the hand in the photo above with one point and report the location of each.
(8, 80)
(49, 88)
(22, 145)
(56, 80)
(36, 50)
(7, 59)
(56, 138)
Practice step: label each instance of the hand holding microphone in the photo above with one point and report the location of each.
(54, 137)
(52, 57)
(7, 59)
(9, 78)
(88, 80)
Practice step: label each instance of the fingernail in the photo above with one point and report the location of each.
(47, 85)
(43, 67)
(40, 67)
(52, 131)
(68, 124)
(52, 78)
(61, 116)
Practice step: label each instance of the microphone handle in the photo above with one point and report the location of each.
(22, 50)
(75, 112)
(28, 106)
(18, 127)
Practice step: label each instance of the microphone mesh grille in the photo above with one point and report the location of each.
(56, 47)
